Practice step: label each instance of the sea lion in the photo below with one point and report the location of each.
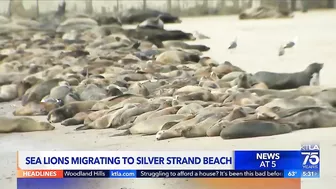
(327, 96)
(138, 89)
(76, 119)
(111, 119)
(8, 92)
(208, 84)
(191, 108)
(92, 116)
(260, 85)
(309, 117)
(107, 20)
(231, 76)
(242, 98)
(23, 124)
(71, 97)
(60, 92)
(176, 129)
(236, 113)
(293, 93)
(262, 12)
(154, 22)
(183, 45)
(189, 89)
(202, 95)
(79, 24)
(38, 91)
(36, 109)
(22, 87)
(137, 16)
(207, 61)
(301, 101)
(113, 91)
(111, 101)
(255, 128)
(152, 126)
(69, 110)
(200, 129)
(164, 109)
(158, 35)
(225, 68)
(263, 112)
(130, 114)
(243, 81)
(176, 57)
(93, 92)
(282, 81)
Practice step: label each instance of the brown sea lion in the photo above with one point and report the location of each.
(152, 126)
(255, 128)
(111, 119)
(38, 91)
(130, 114)
(138, 89)
(176, 130)
(60, 92)
(264, 12)
(203, 96)
(36, 109)
(180, 44)
(164, 111)
(200, 129)
(92, 116)
(22, 87)
(93, 92)
(260, 85)
(69, 110)
(8, 92)
(204, 82)
(76, 119)
(23, 124)
(309, 117)
(111, 101)
(191, 108)
(227, 67)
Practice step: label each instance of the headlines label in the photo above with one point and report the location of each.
(150, 174)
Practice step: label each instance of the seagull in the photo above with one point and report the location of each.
(281, 51)
(291, 43)
(233, 44)
(199, 35)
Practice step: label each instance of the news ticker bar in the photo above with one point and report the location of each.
(167, 174)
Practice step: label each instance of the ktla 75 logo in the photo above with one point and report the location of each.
(311, 159)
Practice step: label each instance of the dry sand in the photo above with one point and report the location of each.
(258, 42)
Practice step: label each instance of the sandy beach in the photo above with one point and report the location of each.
(258, 43)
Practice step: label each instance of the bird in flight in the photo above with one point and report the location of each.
(281, 51)
(233, 44)
(291, 44)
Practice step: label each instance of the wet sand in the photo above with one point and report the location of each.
(258, 43)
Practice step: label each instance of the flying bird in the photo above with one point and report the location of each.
(281, 51)
(233, 44)
(292, 43)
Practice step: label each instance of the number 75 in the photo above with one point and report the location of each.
(312, 157)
